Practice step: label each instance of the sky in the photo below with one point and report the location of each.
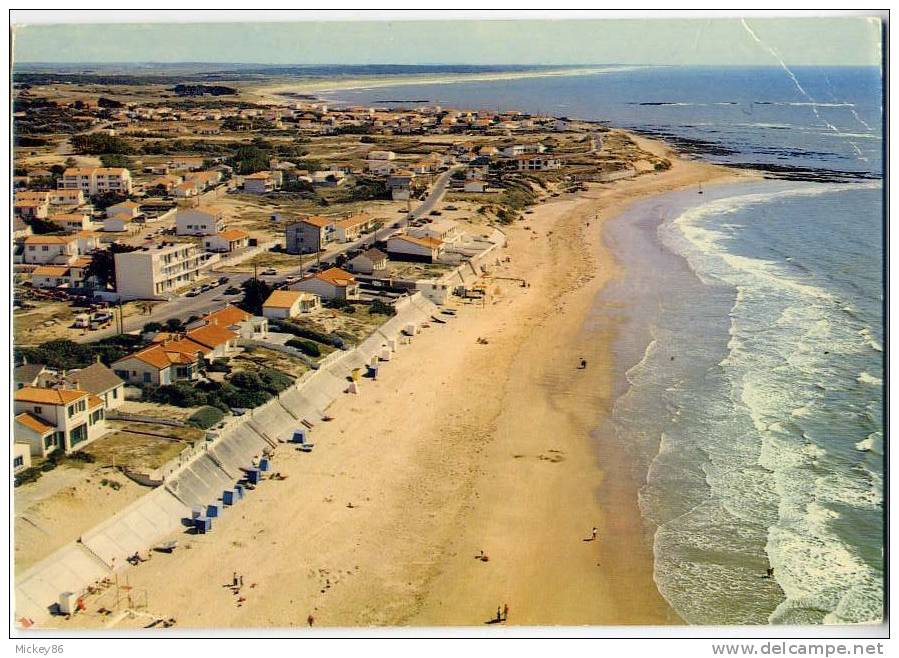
(722, 41)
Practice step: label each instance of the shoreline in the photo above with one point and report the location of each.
(455, 450)
(274, 93)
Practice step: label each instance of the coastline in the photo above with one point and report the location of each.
(453, 450)
(275, 93)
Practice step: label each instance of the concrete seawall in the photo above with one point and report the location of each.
(201, 479)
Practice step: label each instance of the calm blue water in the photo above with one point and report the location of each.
(751, 351)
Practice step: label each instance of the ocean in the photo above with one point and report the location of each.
(751, 351)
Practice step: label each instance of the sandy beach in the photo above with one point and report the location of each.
(275, 93)
(458, 447)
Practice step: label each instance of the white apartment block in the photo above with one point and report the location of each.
(96, 180)
(156, 272)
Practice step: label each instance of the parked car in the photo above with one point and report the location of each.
(435, 213)
(450, 208)
(271, 271)
(232, 291)
(223, 280)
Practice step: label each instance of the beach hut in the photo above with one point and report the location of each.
(240, 491)
(253, 475)
(385, 354)
(264, 464)
(213, 510)
(299, 436)
(196, 512)
(391, 344)
(202, 525)
(353, 388)
(229, 497)
(410, 329)
(373, 372)
(356, 374)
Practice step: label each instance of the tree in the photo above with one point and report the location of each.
(114, 160)
(43, 227)
(151, 327)
(95, 143)
(102, 265)
(103, 201)
(255, 292)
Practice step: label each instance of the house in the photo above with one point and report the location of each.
(237, 320)
(49, 419)
(118, 224)
(353, 226)
(32, 209)
(310, 234)
(20, 230)
(166, 183)
(59, 276)
(198, 222)
(227, 241)
(400, 185)
(478, 186)
(521, 149)
(189, 162)
(161, 363)
(96, 180)
(157, 271)
(380, 167)
(333, 283)
(72, 222)
(186, 189)
(328, 177)
(21, 456)
(285, 304)
(408, 247)
(203, 180)
(538, 162)
(221, 340)
(262, 182)
(444, 230)
(126, 210)
(100, 381)
(50, 249)
(28, 374)
(53, 197)
(369, 262)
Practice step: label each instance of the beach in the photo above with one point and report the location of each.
(461, 446)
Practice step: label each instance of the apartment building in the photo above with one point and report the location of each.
(96, 180)
(157, 271)
(310, 235)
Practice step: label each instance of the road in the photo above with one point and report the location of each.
(183, 307)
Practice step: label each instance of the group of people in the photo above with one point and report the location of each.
(502, 613)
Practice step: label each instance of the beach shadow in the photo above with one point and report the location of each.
(493, 620)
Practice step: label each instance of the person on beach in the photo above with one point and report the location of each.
(583, 365)
(505, 612)
(499, 614)
(310, 620)
(594, 533)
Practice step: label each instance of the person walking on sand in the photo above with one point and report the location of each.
(310, 620)
(594, 533)
(505, 612)
(499, 614)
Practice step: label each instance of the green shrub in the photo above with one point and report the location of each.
(28, 475)
(219, 365)
(307, 347)
(206, 417)
(381, 308)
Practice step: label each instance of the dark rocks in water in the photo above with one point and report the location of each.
(787, 172)
(202, 90)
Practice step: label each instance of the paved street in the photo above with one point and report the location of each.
(183, 307)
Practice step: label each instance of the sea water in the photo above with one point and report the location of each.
(751, 344)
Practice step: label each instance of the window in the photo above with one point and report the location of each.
(147, 378)
(45, 248)
(78, 435)
(115, 394)
(18, 461)
(38, 410)
(49, 440)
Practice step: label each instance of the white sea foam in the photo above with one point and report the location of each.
(867, 378)
(868, 335)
